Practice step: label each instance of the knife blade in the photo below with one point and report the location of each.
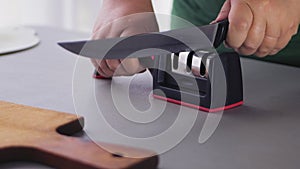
(151, 44)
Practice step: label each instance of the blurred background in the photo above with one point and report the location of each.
(75, 15)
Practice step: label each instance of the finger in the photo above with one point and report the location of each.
(116, 67)
(120, 71)
(282, 42)
(240, 18)
(256, 33)
(113, 64)
(267, 46)
(270, 40)
(132, 66)
(94, 62)
(105, 71)
(101, 73)
(295, 29)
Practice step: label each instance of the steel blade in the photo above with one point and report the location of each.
(150, 44)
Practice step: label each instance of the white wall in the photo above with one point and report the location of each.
(77, 15)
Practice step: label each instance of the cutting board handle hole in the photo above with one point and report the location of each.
(71, 128)
(117, 155)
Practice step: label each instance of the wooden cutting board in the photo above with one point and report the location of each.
(32, 134)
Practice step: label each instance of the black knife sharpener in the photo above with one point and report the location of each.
(175, 79)
(197, 91)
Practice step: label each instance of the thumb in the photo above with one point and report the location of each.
(224, 12)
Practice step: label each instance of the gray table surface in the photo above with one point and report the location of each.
(264, 133)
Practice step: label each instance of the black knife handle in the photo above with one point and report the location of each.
(221, 32)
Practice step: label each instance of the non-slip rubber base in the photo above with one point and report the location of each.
(197, 106)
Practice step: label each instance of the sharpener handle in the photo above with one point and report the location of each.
(221, 32)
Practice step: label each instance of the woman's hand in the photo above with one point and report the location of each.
(119, 18)
(260, 27)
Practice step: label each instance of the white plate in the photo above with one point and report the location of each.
(17, 39)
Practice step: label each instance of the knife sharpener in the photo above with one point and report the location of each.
(189, 77)
(195, 74)
(176, 81)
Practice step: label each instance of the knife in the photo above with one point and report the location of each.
(151, 44)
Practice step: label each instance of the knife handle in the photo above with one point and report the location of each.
(221, 32)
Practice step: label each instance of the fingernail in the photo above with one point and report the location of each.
(212, 22)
